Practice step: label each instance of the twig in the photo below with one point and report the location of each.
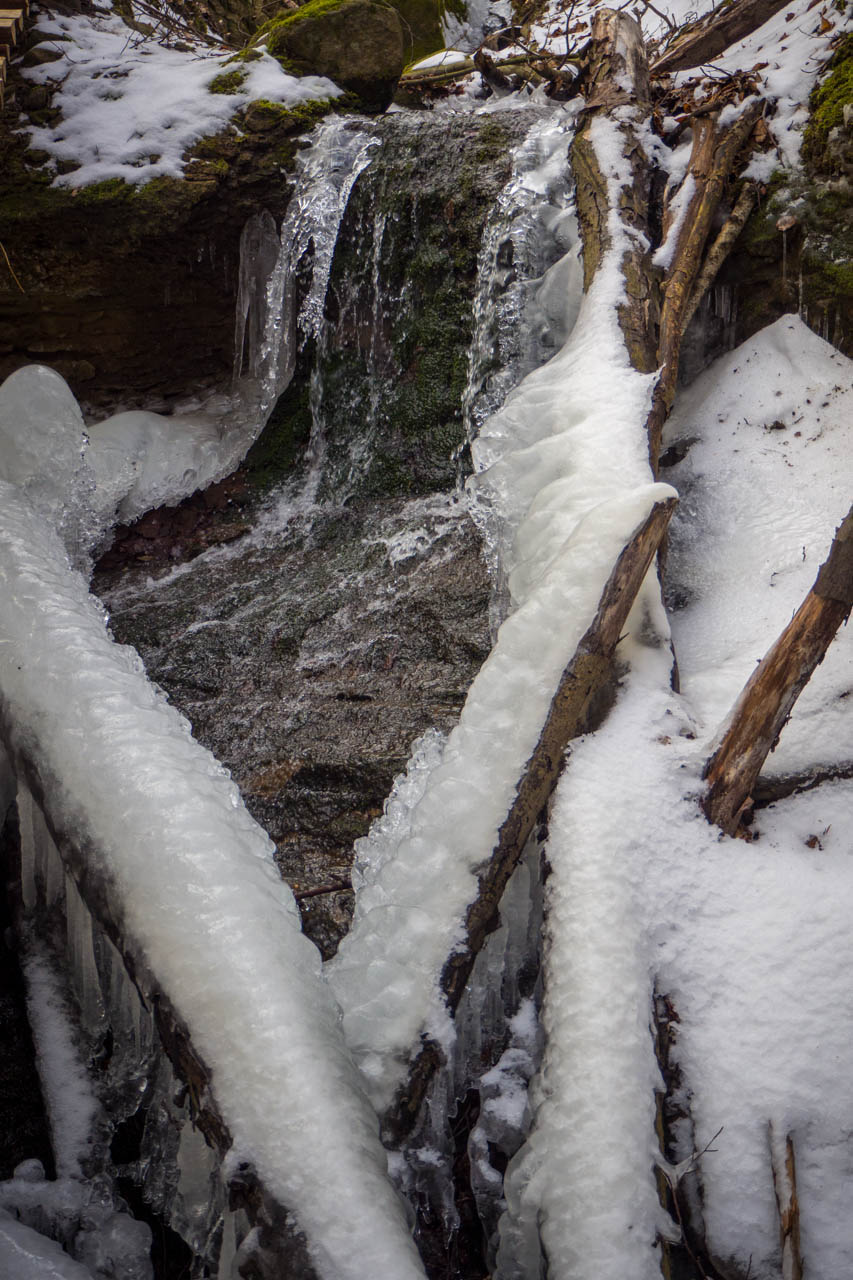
(340, 886)
(11, 269)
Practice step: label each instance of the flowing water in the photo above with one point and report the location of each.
(421, 271)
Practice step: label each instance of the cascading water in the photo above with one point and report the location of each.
(284, 277)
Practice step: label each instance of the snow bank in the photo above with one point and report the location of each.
(202, 902)
(766, 481)
(748, 940)
(131, 106)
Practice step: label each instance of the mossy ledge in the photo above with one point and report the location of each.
(129, 290)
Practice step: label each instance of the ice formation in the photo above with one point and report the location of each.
(570, 470)
(202, 901)
(26, 1254)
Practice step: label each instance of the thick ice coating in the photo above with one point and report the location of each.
(572, 463)
(202, 901)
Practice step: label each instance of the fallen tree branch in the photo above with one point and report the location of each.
(767, 791)
(787, 1201)
(575, 709)
(771, 691)
(720, 249)
(714, 155)
(712, 35)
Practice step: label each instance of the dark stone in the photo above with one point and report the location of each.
(357, 43)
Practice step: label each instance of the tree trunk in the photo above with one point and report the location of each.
(715, 152)
(618, 59)
(771, 691)
(712, 35)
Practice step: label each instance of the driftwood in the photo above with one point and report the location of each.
(771, 691)
(576, 708)
(712, 35)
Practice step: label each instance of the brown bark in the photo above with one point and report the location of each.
(575, 709)
(655, 315)
(713, 35)
(714, 155)
(721, 248)
(771, 691)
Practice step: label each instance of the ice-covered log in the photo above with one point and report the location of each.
(583, 692)
(157, 837)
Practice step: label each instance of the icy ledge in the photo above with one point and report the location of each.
(201, 900)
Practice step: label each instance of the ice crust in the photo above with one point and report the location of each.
(26, 1254)
(202, 902)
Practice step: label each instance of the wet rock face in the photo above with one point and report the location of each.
(308, 657)
(130, 292)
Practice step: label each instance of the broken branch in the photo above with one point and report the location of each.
(771, 691)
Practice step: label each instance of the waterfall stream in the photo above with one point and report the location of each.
(329, 589)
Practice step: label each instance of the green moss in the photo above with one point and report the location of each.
(228, 81)
(828, 100)
(285, 436)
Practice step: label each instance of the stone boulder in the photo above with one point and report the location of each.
(357, 43)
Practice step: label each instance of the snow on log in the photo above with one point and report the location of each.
(769, 695)
(713, 34)
(586, 683)
(158, 840)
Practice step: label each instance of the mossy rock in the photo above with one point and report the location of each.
(389, 377)
(828, 99)
(357, 43)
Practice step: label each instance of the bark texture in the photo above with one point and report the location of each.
(711, 36)
(716, 150)
(617, 59)
(769, 695)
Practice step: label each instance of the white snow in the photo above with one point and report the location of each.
(763, 489)
(748, 940)
(132, 106)
(202, 900)
(788, 52)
